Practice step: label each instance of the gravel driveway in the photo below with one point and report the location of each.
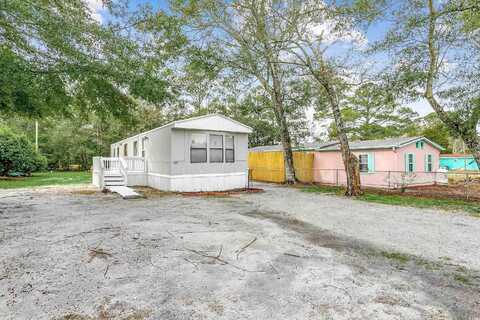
(282, 254)
(430, 234)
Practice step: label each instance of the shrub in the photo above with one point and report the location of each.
(17, 155)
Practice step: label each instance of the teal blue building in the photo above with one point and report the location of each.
(458, 162)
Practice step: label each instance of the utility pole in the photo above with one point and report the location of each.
(36, 135)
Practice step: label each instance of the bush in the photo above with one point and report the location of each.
(17, 155)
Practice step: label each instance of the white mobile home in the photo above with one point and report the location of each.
(206, 153)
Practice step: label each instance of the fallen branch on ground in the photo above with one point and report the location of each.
(292, 255)
(106, 270)
(239, 251)
(220, 260)
(94, 252)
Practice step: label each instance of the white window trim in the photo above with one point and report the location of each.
(233, 149)
(368, 169)
(207, 138)
(222, 148)
(407, 162)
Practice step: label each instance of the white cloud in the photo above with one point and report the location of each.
(327, 33)
(95, 7)
(421, 107)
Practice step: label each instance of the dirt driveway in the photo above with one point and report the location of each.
(281, 254)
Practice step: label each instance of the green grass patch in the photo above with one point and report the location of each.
(324, 189)
(462, 279)
(46, 179)
(471, 207)
(399, 257)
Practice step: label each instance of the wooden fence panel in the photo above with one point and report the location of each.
(270, 166)
(303, 164)
(267, 166)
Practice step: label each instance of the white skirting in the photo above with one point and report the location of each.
(136, 179)
(197, 182)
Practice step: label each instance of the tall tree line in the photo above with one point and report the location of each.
(266, 63)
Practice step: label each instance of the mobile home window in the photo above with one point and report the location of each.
(144, 143)
(216, 148)
(125, 149)
(229, 149)
(118, 152)
(198, 148)
(135, 148)
(363, 160)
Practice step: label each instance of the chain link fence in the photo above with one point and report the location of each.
(454, 184)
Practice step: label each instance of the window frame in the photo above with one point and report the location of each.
(125, 149)
(135, 148)
(408, 163)
(429, 162)
(360, 162)
(144, 149)
(230, 149)
(197, 148)
(210, 148)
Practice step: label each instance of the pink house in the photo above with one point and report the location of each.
(386, 163)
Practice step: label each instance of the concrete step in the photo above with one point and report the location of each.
(124, 192)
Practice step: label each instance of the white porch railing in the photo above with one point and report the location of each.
(135, 164)
(108, 166)
(111, 164)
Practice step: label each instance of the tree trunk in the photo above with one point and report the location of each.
(473, 144)
(350, 161)
(286, 141)
(280, 116)
(466, 130)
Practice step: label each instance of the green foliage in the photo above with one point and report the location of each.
(373, 112)
(17, 155)
(434, 55)
(54, 56)
(471, 18)
(435, 130)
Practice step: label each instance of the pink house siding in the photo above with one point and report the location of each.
(388, 166)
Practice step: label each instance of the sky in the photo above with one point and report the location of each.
(375, 33)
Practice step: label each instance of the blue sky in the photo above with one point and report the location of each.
(374, 33)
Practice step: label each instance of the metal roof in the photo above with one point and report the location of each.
(380, 144)
(354, 145)
(181, 124)
(275, 147)
(305, 147)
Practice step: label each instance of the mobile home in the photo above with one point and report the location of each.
(206, 153)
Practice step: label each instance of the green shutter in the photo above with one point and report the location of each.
(425, 164)
(371, 162)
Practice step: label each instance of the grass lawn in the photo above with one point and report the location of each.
(471, 207)
(46, 179)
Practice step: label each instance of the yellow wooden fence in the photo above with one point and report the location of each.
(270, 166)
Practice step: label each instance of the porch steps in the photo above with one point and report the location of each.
(124, 192)
(113, 180)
